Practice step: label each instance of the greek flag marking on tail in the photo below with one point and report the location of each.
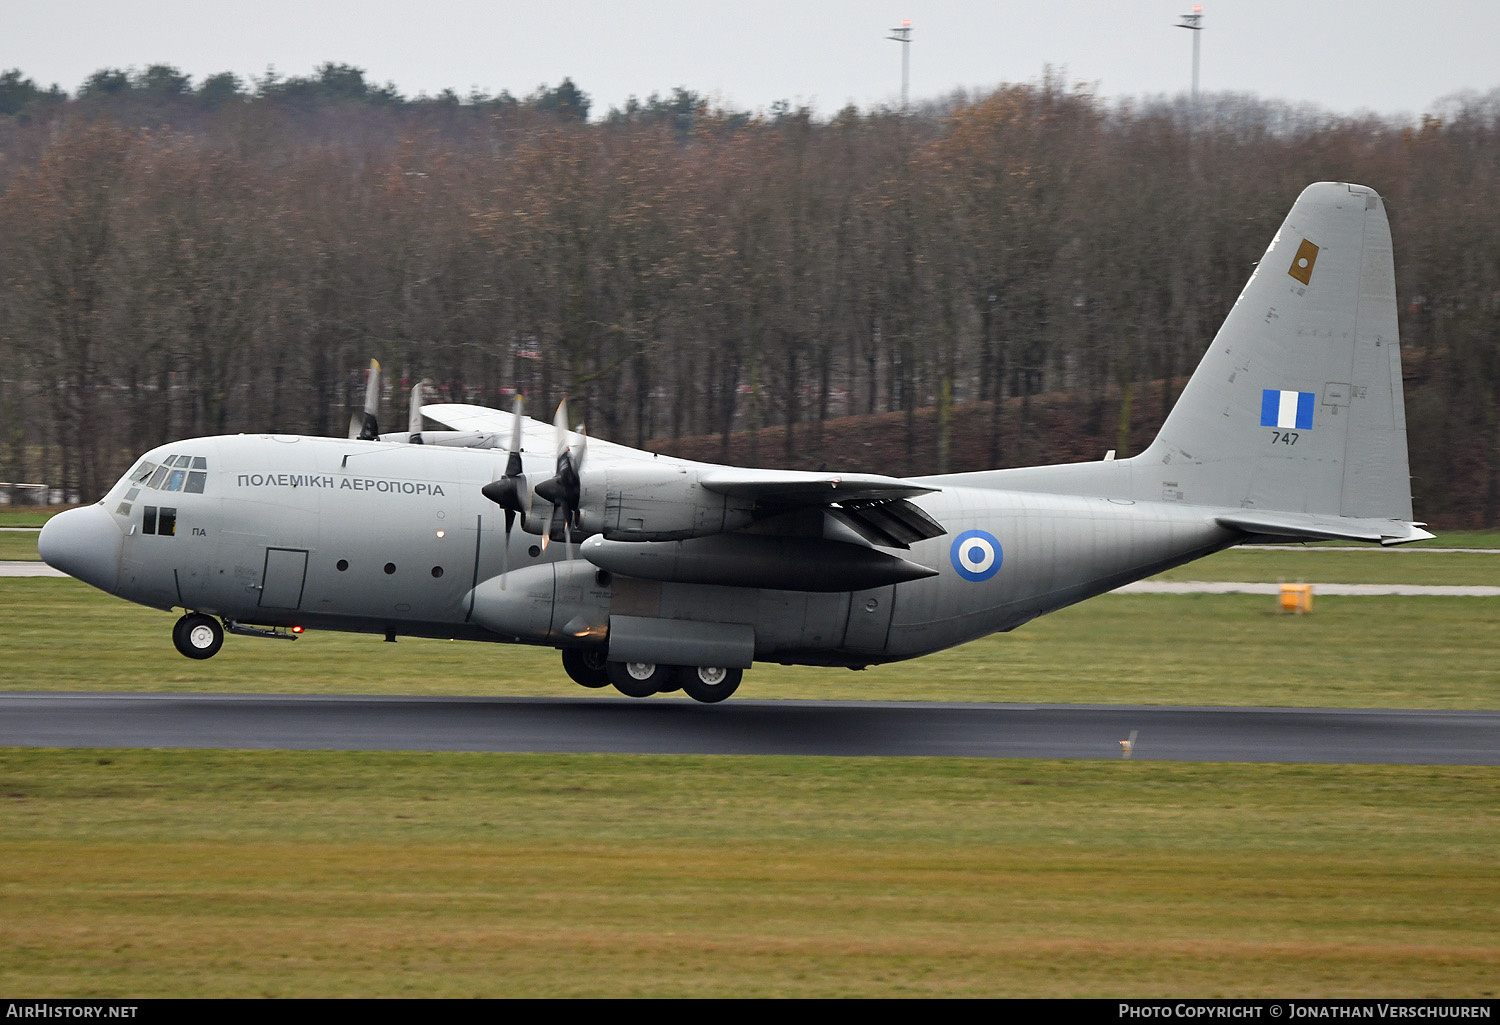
(1286, 409)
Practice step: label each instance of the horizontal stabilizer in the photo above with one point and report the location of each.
(1324, 528)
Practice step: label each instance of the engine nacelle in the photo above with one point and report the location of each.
(646, 502)
(551, 603)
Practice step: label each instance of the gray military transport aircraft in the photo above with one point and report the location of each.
(683, 574)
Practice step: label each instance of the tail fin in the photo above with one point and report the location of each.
(1293, 425)
(1297, 406)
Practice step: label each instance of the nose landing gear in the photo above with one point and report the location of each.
(198, 636)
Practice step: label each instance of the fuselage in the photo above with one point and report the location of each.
(377, 537)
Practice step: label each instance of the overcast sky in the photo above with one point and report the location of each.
(1387, 56)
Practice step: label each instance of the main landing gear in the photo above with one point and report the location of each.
(708, 684)
(198, 636)
(586, 666)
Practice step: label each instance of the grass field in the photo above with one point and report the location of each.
(220, 873)
(1130, 649)
(152, 873)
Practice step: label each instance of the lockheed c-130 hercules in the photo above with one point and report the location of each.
(665, 573)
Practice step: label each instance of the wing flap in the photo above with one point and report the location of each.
(891, 522)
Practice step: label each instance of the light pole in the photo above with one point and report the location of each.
(1194, 23)
(903, 36)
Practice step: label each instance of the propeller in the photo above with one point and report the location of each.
(414, 411)
(510, 492)
(564, 490)
(366, 428)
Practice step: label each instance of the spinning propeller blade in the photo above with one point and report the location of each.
(369, 427)
(510, 492)
(564, 490)
(414, 411)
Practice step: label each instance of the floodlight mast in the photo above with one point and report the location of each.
(903, 36)
(1194, 22)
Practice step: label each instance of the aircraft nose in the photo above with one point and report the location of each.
(84, 543)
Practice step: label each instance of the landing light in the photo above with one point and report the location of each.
(296, 629)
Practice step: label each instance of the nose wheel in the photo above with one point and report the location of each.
(198, 636)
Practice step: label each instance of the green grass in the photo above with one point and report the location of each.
(15, 546)
(161, 873)
(28, 516)
(1460, 539)
(216, 873)
(1315, 565)
(1117, 649)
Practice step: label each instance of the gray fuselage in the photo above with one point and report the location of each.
(390, 538)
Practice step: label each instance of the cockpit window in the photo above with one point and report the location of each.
(173, 474)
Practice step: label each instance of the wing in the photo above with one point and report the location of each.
(873, 506)
(460, 416)
(536, 436)
(800, 487)
(765, 528)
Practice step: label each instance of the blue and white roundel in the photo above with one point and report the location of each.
(976, 555)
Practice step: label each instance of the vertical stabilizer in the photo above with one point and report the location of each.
(1297, 405)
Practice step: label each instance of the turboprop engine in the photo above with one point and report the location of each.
(647, 502)
(637, 501)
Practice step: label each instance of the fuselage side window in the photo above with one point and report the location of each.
(148, 520)
(166, 522)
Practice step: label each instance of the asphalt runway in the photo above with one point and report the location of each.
(679, 726)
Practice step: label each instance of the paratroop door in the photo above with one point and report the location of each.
(286, 569)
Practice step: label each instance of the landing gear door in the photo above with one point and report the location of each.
(286, 569)
(869, 619)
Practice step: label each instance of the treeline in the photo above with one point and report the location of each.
(184, 260)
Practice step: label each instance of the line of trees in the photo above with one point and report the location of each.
(184, 260)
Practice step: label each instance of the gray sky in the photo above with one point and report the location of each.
(1387, 56)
